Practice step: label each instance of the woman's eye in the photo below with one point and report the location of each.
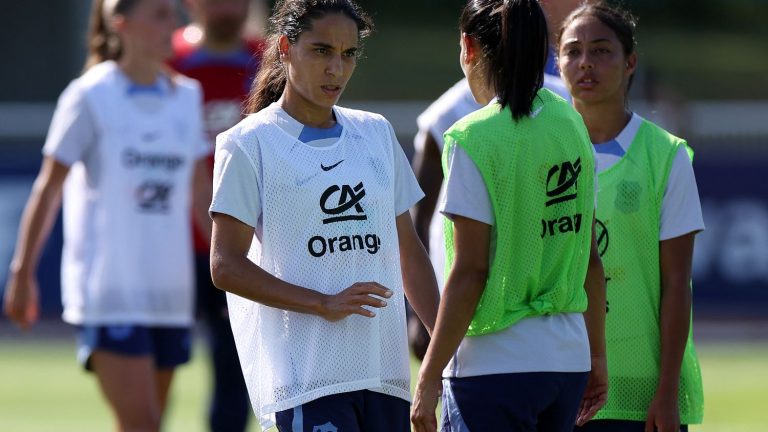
(321, 50)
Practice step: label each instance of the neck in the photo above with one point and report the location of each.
(140, 70)
(604, 121)
(220, 46)
(484, 95)
(306, 112)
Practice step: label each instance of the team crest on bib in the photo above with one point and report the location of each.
(328, 427)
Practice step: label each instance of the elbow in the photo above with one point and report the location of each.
(475, 275)
(219, 272)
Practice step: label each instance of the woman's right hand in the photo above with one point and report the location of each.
(21, 300)
(351, 301)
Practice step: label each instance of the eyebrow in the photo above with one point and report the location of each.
(575, 41)
(328, 46)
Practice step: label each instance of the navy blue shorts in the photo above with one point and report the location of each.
(617, 426)
(516, 402)
(169, 346)
(358, 411)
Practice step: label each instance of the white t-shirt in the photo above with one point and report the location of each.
(127, 198)
(680, 206)
(324, 211)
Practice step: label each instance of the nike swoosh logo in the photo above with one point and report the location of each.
(535, 113)
(328, 168)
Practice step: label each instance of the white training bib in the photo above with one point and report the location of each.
(328, 222)
(127, 254)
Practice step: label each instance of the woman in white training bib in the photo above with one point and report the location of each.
(312, 237)
(125, 146)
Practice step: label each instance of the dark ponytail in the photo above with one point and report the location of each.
(103, 43)
(291, 18)
(513, 37)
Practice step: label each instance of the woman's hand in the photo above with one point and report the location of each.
(351, 301)
(596, 393)
(21, 301)
(425, 396)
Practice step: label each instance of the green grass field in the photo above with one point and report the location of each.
(43, 390)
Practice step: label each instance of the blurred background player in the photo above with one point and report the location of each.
(451, 106)
(648, 215)
(213, 50)
(126, 145)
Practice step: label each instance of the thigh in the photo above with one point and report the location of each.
(385, 413)
(560, 415)
(335, 413)
(128, 383)
(617, 426)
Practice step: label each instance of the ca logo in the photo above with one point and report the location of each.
(328, 427)
(601, 235)
(154, 197)
(560, 180)
(348, 198)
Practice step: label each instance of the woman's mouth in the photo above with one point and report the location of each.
(331, 90)
(586, 83)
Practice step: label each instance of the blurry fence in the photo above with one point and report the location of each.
(731, 143)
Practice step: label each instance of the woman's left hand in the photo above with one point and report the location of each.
(425, 397)
(663, 413)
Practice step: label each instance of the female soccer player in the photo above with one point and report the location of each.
(428, 144)
(316, 298)
(648, 213)
(520, 198)
(128, 139)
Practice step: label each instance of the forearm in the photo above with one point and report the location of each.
(594, 316)
(35, 226)
(242, 277)
(429, 173)
(675, 327)
(420, 286)
(201, 199)
(461, 295)
(675, 261)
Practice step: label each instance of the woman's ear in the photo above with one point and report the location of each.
(631, 64)
(283, 47)
(469, 49)
(117, 23)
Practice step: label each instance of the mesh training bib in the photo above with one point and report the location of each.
(628, 213)
(539, 173)
(127, 245)
(328, 222)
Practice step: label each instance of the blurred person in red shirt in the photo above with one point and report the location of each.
(213, 50)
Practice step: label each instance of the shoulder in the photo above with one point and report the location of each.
(186, 84)
(659, 135)
(452, 105)
(360, 119)
(477, 120)
(99, 75)
(245, 128)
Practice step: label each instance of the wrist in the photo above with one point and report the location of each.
(20, 270)
(667, 389)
